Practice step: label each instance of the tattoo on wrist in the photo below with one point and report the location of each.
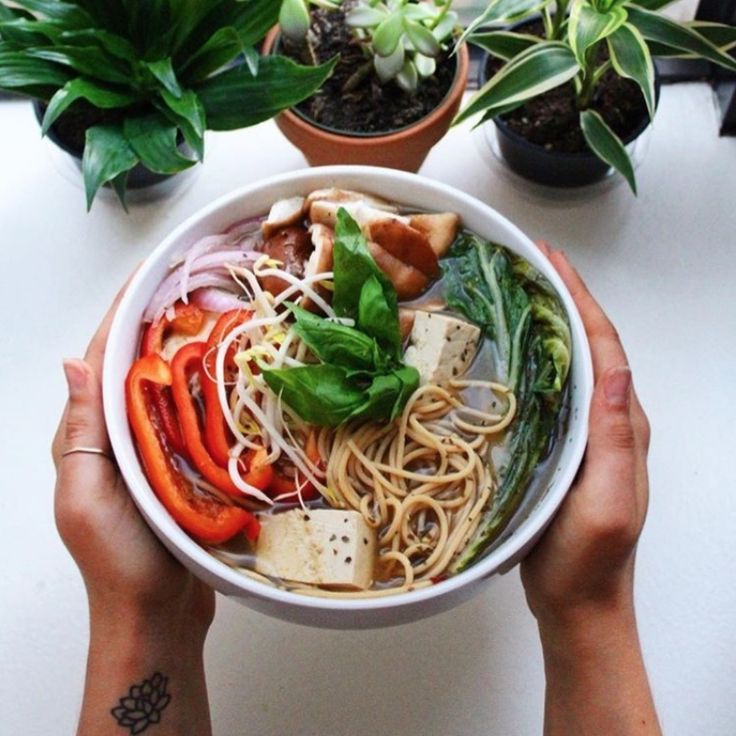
(143, 704)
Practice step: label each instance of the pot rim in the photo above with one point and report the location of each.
(333, 135)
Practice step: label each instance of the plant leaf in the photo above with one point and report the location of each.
(720, 35)
(236, 99)
(364, 16)
(387, 67)
(294, 19)
(421, 38)
(655, 27)
(188, 113)
(607, 145)
(538, 69)
(107, 154)
(587, 27)
(653, 4)
(221, 48)
(154, 141)
(164, 72)
(407, 78)
(69, 14)
(503, 44)
(387, 35)
(631, 58)
(502, 12)
(80, 88)
(18, 71)
(89, 61)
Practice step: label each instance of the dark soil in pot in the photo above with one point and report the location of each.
(552, 119)
(542, 139)
(69, 131)
(352, 100)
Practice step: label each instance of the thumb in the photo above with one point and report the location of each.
(85, 420)
(608, 480)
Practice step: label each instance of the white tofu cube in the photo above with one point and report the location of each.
(441, 347)
(326, 547)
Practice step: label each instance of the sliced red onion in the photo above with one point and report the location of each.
(164, 298)
(249, 226)
(215, 300)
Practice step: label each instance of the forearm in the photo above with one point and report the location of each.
(596, 680)
(144, 671)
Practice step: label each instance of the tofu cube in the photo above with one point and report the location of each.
(326, 547)
(441, 347)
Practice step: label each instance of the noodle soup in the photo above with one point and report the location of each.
(345, 399)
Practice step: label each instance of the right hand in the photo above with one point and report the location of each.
(585, 560)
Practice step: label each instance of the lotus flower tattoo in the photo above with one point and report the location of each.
(143, 704)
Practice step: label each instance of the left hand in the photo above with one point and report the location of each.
(125, 568)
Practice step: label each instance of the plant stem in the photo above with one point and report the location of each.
(590, 79)
(559, 18)
(440, 15)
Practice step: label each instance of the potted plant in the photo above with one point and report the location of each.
(396, 85)
(130, 86)
(578, 84)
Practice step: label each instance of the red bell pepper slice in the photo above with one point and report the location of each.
(218, 437)
(203, 517)
(187, 320)
(188, 360)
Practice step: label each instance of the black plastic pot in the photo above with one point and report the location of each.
(139, 176)
(553, 168)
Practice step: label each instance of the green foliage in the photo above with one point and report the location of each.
(520, 312)
(164, 70)
(360, 375)
(400, 38)
(631, 31)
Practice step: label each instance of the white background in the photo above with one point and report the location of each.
(663, 265)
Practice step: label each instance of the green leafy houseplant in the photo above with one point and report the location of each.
(400, 38)
(583, 40)
(151, 74)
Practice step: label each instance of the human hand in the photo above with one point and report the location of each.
(584, 563)
(125, 568)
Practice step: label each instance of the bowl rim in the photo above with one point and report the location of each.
(240, 584)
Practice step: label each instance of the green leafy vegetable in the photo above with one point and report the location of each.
(192, 61)
(361, 375)
(520, 312)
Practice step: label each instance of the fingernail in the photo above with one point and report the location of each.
(76, 376)
(617, 387)
(544, 246)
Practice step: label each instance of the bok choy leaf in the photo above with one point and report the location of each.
(520, 312)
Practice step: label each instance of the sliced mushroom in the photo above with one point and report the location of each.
(292, 247)
(404, 243)
(323, 239)
(440, 229)
(408, 281)
(324, 212)
(284, 213)
(348, 195)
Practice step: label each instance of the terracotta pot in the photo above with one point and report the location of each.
(405, 149)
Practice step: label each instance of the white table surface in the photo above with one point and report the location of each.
(663, 265)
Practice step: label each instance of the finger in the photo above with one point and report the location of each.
(609, 479)
(544, 246)
(95, 354)
(84, 424)
(605, 344)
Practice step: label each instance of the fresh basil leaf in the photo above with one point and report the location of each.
(409, 378)
(378, 318)
(319, 394)
(335, 343)
(355, 269)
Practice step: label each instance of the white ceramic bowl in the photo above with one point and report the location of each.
(535, 513)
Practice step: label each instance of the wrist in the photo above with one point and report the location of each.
(588, 629)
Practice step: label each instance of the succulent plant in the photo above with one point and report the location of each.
(402, 37)
(161, 71)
